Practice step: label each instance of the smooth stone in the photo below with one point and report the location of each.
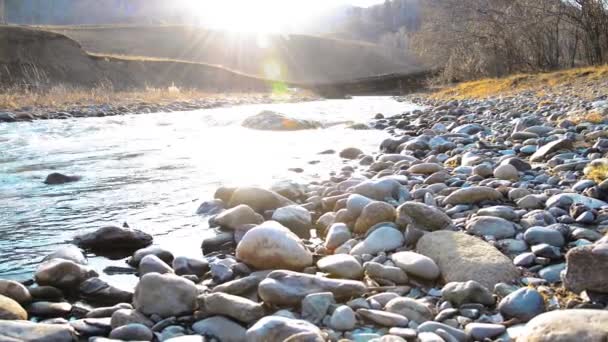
(384, 318)
(355, 204)
(574, 198)
(350, 153)
(552, 273)
(238, 216)
(50, 309)
(11, 310)
(423, 216)
(567, 325)
(587, 269)
(190, 266)
(272, 246)
(381, 189)
(481, 331)
(15, 290)
(122, 317)
(132, 332)
(236, 307)
(499, 211)
(91, 327)
(341, 266)
(160, 252)
(461, 258)
(272, 121)
(374, 213)
(13, 331)
(491, 226)
(46, 293)
(107, 311)
(165, 295)
(376, 270)
(532, 202)
(62, 273)
(472, 195)
(243, 285)
(458, 334)
(69, 252)
(258, 199)
(416, 265)
(544, 151)
(275, 328)
(343, 319)
(410, 308)
(523, 304)
(315, 306)
(295, 218)
(524, 259)
(209, 208)
(337, 234)
(382, 239)
(538, 235)
(220, 328)
(459, 293)
(381, 298)
(289, 288)
(97, 291)
(506, 172)
(110, 239)
(57, 178)
(153, 264)
(425, 168)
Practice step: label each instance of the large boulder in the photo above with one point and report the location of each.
(258, 199)
(64, 274)
(11, 310)
(165, 295)
(289, 288)
(567, 325)
(272, 121)
(277, 328)
(587, 269)
(472, 195)
(461, 258)
(13, 331)
(272, 246)
(423, 216)
(109, 239)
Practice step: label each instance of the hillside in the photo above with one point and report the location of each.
(294, 58)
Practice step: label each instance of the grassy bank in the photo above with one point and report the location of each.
(539, 83)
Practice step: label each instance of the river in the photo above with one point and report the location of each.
(153, 171)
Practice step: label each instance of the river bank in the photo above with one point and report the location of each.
(476, 219)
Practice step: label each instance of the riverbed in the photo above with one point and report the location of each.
(152, 171)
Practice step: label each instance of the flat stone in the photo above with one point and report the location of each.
(433, 327)
(341, 266)
(410, 308)
(239, 308)
(220, 328)
(459, 293)
(473, 195)
(69, 252)
(384, 318)
(382, 239)
(258, 199)
(538, 235)
(376, 270)
(416, 265)
(132, 332)
(423, 216)
(163, 254)
(544, 151)
(110, 239)
(29, 331)
(374, 213)
(491, 226)
(275, 328)
(589, 202)
(295, 218)
(235, 217)
(337, 234)
(567, 325)
(481, 331)
(62, 273)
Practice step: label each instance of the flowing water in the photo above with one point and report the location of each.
(153, 171)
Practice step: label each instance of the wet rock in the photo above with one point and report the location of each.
(111, 239)
(151, 263)
(341, 266)
(295, 218)
(523, 304)
(567, 325)
(387, 319)
(30, 331)
(69, 252)
(374, 213)
(63, 274)
(97, 291)
(238, 216)
(462, 258)
(49, 309)
(132, 332)
(160, 252)
(14, 290)
(382, 239)
(59, 178)
(289, 288)
(258, 199)
(275, 328)
(212, 207)
(416, 265)
(272, 246)
(587, 269)
(459, 293)
(499, 211)
(423, 216)
(473, 195)
(11, 310)
(222, 241)
(239, 308)
(272, 121)
(165, 295)
(410, 308)
(491, 226)
(190, 266)
(220, 328)
(343, 319)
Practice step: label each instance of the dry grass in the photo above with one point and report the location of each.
(523, 82)
(597, 170)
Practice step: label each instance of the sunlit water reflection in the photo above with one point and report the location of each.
(153, 171)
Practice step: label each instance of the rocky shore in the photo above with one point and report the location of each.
(126, 107)
(478, 220)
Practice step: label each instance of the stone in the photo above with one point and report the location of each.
(587, 269)
(387, 319)
(337, 234)
(483, 170)
(220, 328)
(376, 270)
(425, 168)
(436, 327)
(110, 239)
(538, 235)
(343, 319)
(97, 291)
(382, 239)
(506, 172)
(11, 310)
(190, 266)
(574, 198)
(423, 216)
(295, 218)
(13, 331)
(153, 264)
(341, 266)
(236, 307)
(552, 273)
(499, 211)
(491, 226)
(62, 273)
(15, 290)
(56, 178)
(567, 325)
(381, 190)
(238, 216)
(482, 331)
(416, 265)
(276, 328)
(289, 288)
(165, 295)
(49, 309)
(69, 252)
(410, 308)
(88, 326)
(544, 151)
(272, 246)
(160, 252)
(315, 306)
(48, 293)
(122, 317)
(461, 258)
(473, 195)
(273, 121)
(107, 311)
(459, 293)
(212, 207)
(350, 153)
(258, 199)
(374, 213)
(132, 332)
(523, 304)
